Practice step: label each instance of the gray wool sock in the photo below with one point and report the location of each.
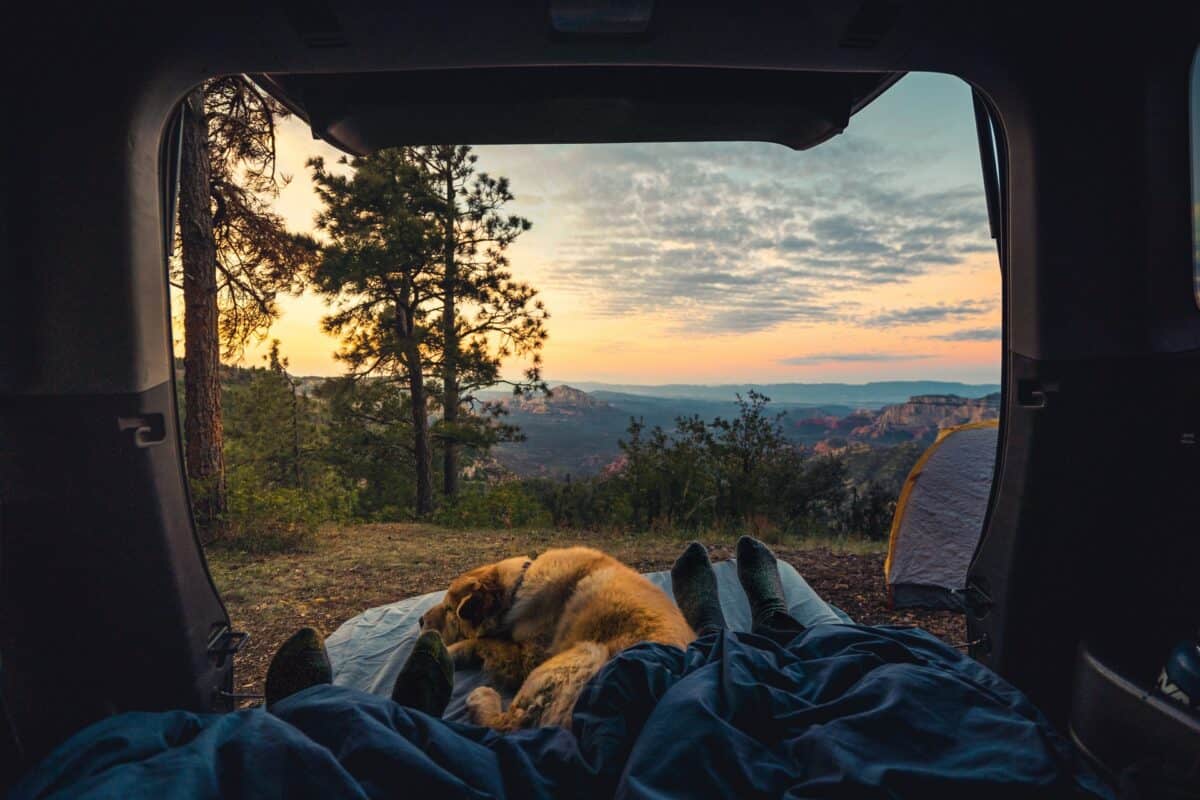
(759, 575)
(695, 587)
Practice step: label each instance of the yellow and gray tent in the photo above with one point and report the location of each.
(939, 518)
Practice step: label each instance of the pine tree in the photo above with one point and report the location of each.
(380, 269)
(236, 257)
(203, 433)
(370, 443)
(486, 316)
(270, 426)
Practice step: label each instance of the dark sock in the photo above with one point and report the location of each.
(299, 663)
(427, 678)
(695, 586)
(759, 576)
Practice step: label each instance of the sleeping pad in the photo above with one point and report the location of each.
(839, 711)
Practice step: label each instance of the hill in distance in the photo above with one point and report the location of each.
(573, 432)
(857, 395)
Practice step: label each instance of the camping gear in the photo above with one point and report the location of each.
(939, 518)
(368, 651)
(838, 711)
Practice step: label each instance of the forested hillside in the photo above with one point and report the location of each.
(303, 451)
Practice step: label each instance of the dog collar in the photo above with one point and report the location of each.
(512, 595)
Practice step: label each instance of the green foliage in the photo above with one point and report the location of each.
(416, 269)
(588, 504)
(346, 452)
(280, 485)
(487, 315)
(268, 518)
(269, 426)
(379, 267)
(869, 512)
(504, 505)
(369, 443)
(724, 472)
(739, 474)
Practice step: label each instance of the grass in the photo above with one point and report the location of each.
(345, 570)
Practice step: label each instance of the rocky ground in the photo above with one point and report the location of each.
(348, 570)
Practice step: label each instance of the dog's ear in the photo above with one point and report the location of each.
(475, 607)
(482, 600)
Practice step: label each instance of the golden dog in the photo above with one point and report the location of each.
(547, 625)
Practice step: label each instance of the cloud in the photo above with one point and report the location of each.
(972, 335)
(923, 315)
(846, 358)
(738, 237)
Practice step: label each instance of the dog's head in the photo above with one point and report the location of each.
(476, 602)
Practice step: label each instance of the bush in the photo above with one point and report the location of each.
(591, 504)
(503, 505)
(740, 474)
(263, 518)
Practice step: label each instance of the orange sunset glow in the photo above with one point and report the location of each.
(865, 258)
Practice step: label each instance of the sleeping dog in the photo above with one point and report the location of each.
(545, 626)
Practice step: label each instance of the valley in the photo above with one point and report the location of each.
(575, 432)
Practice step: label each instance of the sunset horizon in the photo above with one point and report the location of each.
(867, 258)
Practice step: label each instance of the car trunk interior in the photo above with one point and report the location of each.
(1085, 574)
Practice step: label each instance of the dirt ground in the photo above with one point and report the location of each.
(348, 570)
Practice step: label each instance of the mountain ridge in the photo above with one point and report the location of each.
(869, 394)
(573, 432)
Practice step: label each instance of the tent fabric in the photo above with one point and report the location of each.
(939, 517)
(839, 711)
(368, 651)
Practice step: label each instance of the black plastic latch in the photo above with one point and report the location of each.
(977, 601)
(226, 643)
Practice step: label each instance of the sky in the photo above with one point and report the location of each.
(865, 258)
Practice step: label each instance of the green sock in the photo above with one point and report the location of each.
(427, 678)
(299, 663)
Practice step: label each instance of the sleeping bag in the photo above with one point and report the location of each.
(839, 711)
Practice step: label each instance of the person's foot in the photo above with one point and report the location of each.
(758, 573)
(427, 678)
(299, 663)
(695, 587)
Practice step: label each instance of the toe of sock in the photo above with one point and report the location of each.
(299, 663)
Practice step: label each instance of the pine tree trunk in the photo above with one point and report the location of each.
(450, 396)
(422, 451)
(203, 430)
(295, 433)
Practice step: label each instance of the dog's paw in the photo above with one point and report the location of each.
(483, 705)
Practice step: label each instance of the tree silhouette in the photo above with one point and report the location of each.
(486, 316)
(236, 257)
(380, 270)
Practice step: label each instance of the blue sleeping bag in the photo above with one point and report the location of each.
(840, 711)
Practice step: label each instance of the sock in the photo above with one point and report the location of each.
(695, 586)
(759, 576)
(299, 663)
(427, 678)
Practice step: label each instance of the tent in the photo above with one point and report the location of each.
(939, 518)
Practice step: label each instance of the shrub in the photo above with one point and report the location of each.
(501, 505)
(761, 527)
(264, 518)
(591, 503)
